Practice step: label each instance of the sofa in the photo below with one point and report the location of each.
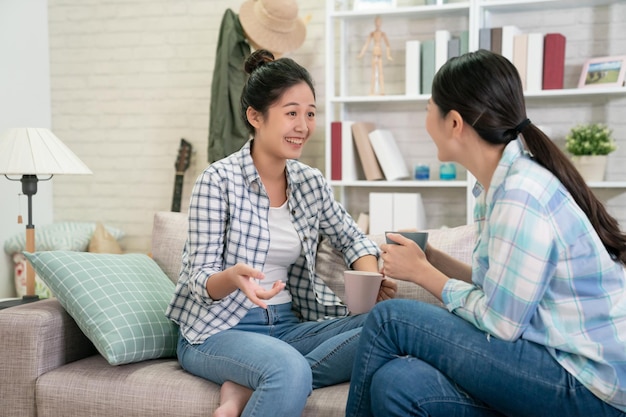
(50, 368)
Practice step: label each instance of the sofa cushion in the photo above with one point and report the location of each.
(169, 233)
(118, 301)
(59, 236)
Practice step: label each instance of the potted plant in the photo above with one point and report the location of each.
(589, 145)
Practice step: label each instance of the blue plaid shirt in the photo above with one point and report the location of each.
(228, 224)
(541, 273)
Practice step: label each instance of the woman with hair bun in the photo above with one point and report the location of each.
(536, 326)
(253, 315)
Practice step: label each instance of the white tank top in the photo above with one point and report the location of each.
(285, 247)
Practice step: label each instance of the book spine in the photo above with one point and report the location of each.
(412, 68)
(454, 47)
(508, 34)
(381, 209)
(349, 160)
(534, 79)
(553, 61)
(520, 56)
(427, 56)
(408, 212)
(496, 40)
(484, 38)
(441, 47)
(335, 151)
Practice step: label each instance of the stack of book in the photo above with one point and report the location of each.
(539, 58)
(361, 151)
(425, 57)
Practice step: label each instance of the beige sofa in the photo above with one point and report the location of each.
(48, 367)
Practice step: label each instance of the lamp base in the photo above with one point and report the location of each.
(18, 301)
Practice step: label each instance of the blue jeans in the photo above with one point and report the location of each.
(277, 356)
(416, 359)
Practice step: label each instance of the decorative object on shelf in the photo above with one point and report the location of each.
(421, 172)
(377, 82)
(29, 152)
(589, 145)
(608, 71)
(373, 4)
(447, 171)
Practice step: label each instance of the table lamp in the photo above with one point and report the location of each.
(28, 153)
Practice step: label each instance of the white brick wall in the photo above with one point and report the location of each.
(130, 78)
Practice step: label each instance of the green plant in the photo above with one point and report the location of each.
(590, 139)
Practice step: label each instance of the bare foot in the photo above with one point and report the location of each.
(233, 399)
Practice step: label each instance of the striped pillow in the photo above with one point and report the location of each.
(59, 236)
(118, 301)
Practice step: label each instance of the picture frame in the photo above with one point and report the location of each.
(373, 4)
(607, 71)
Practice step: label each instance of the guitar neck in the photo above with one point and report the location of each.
(178, 192)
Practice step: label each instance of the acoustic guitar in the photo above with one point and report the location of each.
(181, 165)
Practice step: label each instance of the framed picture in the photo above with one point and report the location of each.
(608, 71)
(373, 4)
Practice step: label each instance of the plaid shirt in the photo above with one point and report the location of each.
(228, 224)
(541, 273)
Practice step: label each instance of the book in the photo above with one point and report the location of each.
(441, 47)
(427, 59)
(496, 40)
(408, 212)
(553, 61)
(389, 155)
(369, 163)
(349, 160)
(412, 68)
(464, 38)
(484, 38)
(508, 34)
(520, 56)
(454, 47)
(381, 213)
(335, 150)
(534, 70)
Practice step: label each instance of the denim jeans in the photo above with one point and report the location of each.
(416, 359)
(276, 355)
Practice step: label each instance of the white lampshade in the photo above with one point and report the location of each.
(35, 151)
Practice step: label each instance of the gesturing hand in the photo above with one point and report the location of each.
(246, 278)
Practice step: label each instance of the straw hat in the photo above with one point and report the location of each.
(273, 25)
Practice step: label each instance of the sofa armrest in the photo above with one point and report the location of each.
(35, 338)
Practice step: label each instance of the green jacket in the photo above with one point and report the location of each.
(227, 131)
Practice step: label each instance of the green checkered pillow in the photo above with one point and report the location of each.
(118, 301)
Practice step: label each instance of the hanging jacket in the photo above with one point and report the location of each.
(227, 131)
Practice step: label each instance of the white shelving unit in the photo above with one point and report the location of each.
(347, 85)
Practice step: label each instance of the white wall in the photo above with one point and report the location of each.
(24, 102)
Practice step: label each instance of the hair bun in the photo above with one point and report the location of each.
(257, 59)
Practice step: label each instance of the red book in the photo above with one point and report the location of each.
(553, 61)
(335, 150)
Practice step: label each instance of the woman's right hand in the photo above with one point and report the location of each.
(245, 278)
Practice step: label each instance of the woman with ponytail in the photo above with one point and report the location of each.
(536, 325)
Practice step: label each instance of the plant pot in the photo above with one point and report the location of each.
(591, 167)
